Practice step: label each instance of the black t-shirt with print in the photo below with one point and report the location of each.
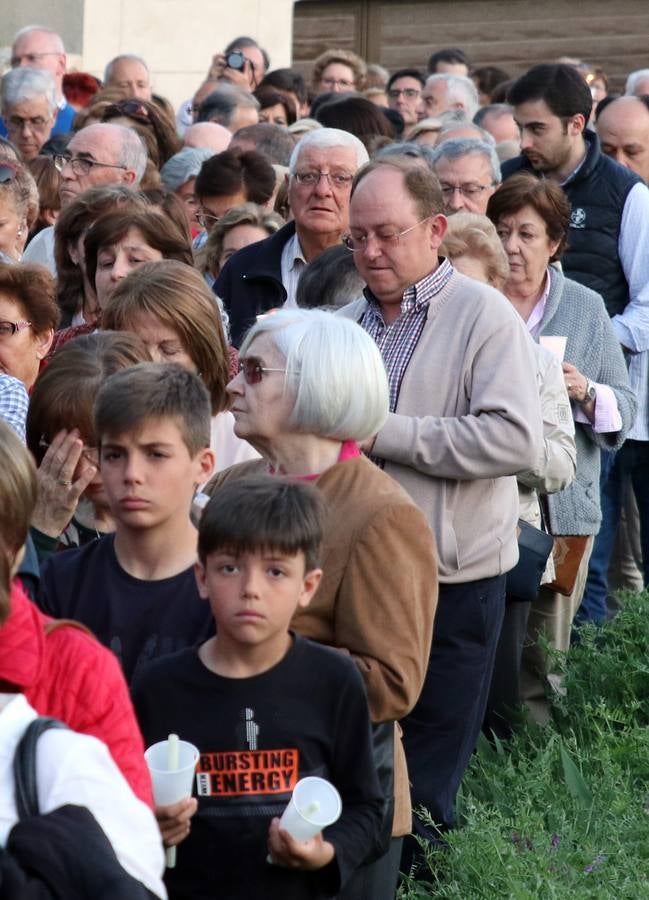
(138, 620)
(257, 736)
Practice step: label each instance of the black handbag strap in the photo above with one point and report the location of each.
(25, 766)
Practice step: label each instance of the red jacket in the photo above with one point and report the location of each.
(67, 674)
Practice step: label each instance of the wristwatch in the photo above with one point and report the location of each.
(591, 393)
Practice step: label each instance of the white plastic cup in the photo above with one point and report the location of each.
(171, 786)
(555, 344)
(315, 804)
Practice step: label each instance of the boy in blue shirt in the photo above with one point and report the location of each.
(265, 708)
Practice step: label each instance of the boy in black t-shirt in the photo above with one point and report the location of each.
(136, 589)
(264, 707)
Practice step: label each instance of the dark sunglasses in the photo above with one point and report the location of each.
(253, 371)
(133, 108)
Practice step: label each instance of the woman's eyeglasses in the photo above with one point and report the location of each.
(253, 371)
(207, 220)
(90, 454)
(7, 329)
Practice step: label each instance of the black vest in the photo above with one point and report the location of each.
(597, 194)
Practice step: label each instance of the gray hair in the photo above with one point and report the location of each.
(182, 166)
(335, 369)
(480, 133)
(273, 141)
(492, 109)
(456, 149)
(132, 150)
(57, 40)
(424, 152)
(459, 89)
(23, 84)
(221, 105)
(325, 139)
(633, 79)
(130, 57)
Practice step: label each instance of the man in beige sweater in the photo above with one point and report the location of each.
(465, 418)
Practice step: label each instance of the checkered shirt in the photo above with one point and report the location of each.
(398, 340)
(13, 404)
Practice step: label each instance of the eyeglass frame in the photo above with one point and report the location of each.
(388, 240)
(36, 123)
(15, 61)
(92, 459)
(200, 216)
(16, 327)
(61, 160)
(301, 176)
(450, 190)
(410, 93)
(254, 363)
(334, 82)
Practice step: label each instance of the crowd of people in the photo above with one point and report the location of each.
(324, 420)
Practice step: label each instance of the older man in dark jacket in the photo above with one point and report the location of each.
(264, 275)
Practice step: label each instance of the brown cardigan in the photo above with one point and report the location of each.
(378, 595)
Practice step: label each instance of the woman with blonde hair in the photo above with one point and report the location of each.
(473, 245)
(170, 307)
(238, 228)
(338, 71)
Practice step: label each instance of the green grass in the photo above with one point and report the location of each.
(562, 811)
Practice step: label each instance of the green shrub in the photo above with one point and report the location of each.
(562, 811)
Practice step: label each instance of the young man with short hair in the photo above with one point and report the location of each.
(264, 707)
(135, 589)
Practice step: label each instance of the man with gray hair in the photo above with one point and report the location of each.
(443, 92)
(637, 83)
(28, 100)
(230, 106)
(130, 74)
(38, 47)
(264, 276)
(468, 172)
(97, 155)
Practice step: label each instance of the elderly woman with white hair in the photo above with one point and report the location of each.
(29, 107)
(311, 388)
(264, 276)
(179, 175)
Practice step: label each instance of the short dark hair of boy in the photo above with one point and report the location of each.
(234, 171)
(263, 513)
(130, 398)
(561, 87)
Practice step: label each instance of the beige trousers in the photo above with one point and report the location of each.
(551, 615)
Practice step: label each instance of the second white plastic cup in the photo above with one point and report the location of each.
(555, 344)
(314, 805)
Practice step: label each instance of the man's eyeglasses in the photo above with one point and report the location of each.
(466, 190)
(333, 83)
(207, 220)
(383, 238)
(90, 454)
(36, 122)
(410, 93)
(80, 165)
(253, 371)
(310, 179)
(31, 59)
(7, 329)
